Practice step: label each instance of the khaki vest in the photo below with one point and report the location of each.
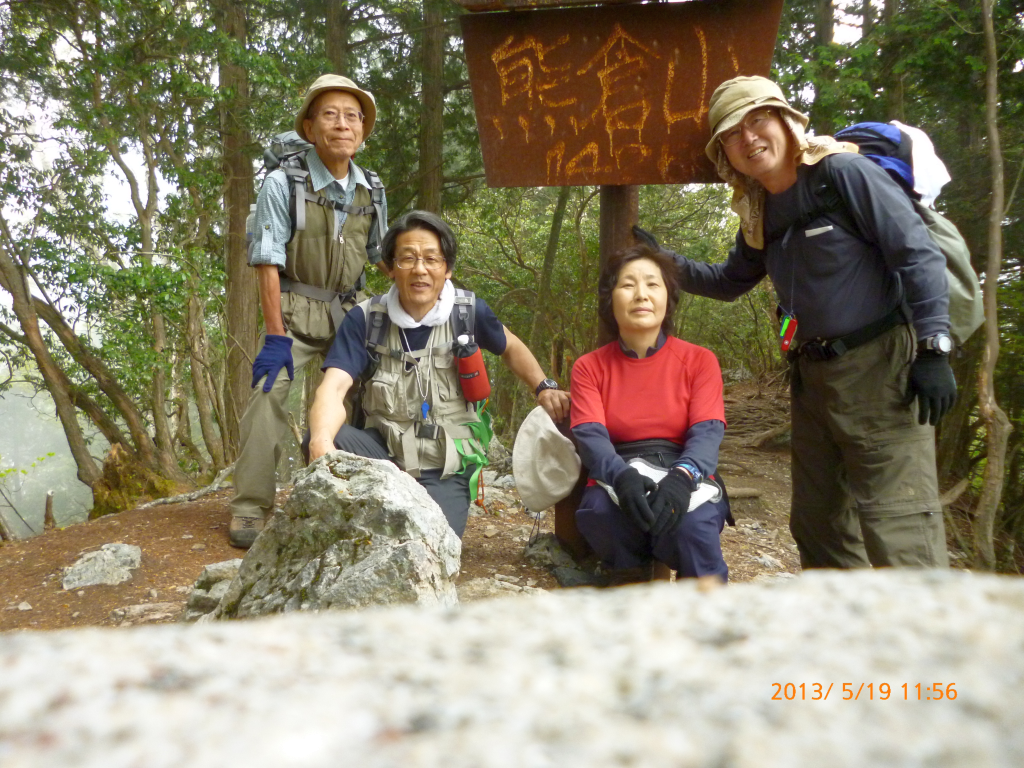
(317, 257)
(392, 401)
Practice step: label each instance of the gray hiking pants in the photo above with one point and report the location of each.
(263, 428)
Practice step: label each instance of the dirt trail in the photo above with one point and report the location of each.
(178, 540)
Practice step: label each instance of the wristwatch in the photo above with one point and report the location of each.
(940, 342)
(695, 474)
(546, 384)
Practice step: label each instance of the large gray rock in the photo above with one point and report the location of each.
(110, 564)
(655, 675)
(355, 532)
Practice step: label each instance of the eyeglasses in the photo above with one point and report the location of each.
(754, 122)
(350, 116)
(433, 263)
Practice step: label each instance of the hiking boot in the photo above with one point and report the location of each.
(244, 530)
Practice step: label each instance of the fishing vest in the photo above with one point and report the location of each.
(323, 274)
(394, 394)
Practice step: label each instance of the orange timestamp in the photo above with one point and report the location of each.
(869, 691)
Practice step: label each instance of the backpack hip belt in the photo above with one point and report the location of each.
(336, 299)
(828, 349)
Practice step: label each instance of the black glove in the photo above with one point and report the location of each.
(932, 383)
(670, 502)
(275, 355)
(632, 488)
(645, 237)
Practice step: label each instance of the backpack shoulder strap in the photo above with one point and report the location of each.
(463, 317)
(377, 199)
(378, 324)
(824, 200)
(297, 172)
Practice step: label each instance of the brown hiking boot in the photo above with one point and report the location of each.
(244, 530)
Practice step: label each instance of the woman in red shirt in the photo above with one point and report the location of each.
(648, 394)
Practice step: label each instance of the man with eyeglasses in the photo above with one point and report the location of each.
(863, 302)
(416, 413)
(309, 276)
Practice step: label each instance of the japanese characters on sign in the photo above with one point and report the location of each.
(608, 95)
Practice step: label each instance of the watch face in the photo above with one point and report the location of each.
(943, 344)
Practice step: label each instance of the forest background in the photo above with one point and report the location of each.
(141, 328)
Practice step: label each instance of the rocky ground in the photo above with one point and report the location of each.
(178, 540)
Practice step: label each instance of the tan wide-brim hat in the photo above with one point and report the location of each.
(544, 462)
(338, 83)
(736, 98)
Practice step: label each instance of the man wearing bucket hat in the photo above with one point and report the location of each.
(316, 228)
(863, 304)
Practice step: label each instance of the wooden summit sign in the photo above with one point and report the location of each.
(614, 94)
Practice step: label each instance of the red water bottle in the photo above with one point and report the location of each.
(472, 373)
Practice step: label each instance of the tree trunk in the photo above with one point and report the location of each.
(823, 109)
(996, 424)
(336, 42)
(13, 281)
(199, 366)
(892, 83)
(432, 116)
(240, 283)
(95, 367)
(542, 313)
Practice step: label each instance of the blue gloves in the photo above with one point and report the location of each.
(275, 355)
(670, 502)
(932, 383)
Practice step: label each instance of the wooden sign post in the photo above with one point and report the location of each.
(614, 95)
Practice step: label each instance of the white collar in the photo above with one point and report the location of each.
(437, 315)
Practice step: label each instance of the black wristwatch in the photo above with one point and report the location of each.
(546, 384)
(941, 343)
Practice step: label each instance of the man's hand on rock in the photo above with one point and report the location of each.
(318, 447)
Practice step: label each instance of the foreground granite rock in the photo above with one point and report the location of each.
(652, 676)
(355, 532)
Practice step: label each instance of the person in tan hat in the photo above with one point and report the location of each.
(863, 301)
(310, 255)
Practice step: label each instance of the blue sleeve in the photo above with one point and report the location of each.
(597, 452)
(702, 442)
(273, 227)
(742, 270)
(490, 333)
(348, 350)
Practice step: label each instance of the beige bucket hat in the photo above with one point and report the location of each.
(338, 83)
(736, 98)
(544, 462)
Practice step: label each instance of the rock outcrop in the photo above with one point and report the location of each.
(355, 532)
(747, 676)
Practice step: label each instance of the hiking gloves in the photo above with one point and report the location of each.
(632, 488)
(932, 383)
(645, 237)
(275, 355)
(670, 502)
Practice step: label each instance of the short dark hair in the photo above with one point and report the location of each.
(420, 220)
(610, 276)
